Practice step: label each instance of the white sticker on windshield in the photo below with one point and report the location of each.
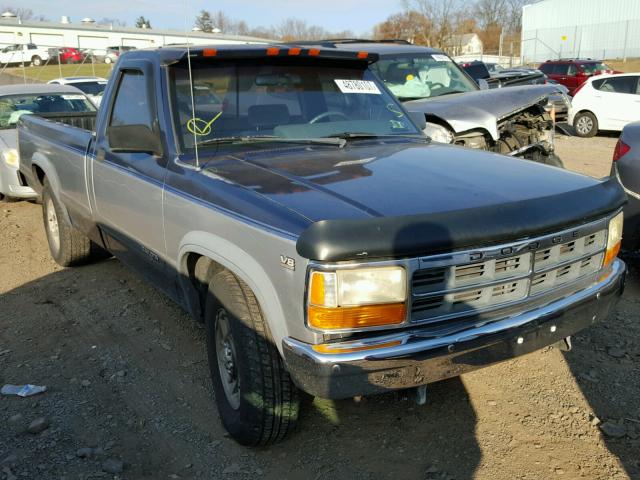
(358, 86)
(75, 96)
(438, 57)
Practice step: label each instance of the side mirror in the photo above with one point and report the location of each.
(419, 119)
(133, 139)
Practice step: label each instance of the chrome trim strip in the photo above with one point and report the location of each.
(473, 286)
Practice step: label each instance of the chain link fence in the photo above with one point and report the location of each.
(614, 40)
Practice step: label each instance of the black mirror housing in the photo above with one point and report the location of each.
(133, 139)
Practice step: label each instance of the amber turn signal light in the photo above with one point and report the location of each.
(339, 318)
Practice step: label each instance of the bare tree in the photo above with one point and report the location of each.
(203, 21)
(410, 25)
(441, 16)
(24, 14)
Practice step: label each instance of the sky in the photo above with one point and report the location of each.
(334, 15)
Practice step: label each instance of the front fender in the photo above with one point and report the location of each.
(245, 267)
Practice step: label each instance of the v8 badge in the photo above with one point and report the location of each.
(287, 262)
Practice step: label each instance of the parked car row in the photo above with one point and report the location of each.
(287, 197)
(31, 54)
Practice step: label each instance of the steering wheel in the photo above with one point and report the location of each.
(437, 85)
(330, 113)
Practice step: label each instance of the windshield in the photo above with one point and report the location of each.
(12, 107)
(592, 68)
(422, 76)
(91, 88)
(287, 101)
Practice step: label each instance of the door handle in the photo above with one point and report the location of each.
(100, 154)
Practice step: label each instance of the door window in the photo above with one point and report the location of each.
(572, 71)
(560, 69)
(617, 84)
(131, 106)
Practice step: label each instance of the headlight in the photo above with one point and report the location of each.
(614, 237)
(357, 298)
(11, 157)
(438, 133)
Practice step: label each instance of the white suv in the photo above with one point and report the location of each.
(605, 102)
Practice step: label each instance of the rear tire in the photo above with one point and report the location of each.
(585, 124)
(68, 246)
(107, 60)
(36, 61)
(257, 401)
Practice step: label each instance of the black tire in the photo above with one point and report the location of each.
(36, 61)
(266, 400)
(2, 198)
(585, 124)
(553, 160)
(68, 246)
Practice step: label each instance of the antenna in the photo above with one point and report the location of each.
(193, 103)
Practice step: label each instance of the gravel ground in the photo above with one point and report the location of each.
(129, 394)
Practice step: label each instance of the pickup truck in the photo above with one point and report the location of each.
(286, 199)
(27, 54)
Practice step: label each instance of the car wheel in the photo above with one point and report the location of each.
(2, 198)
(36, 61)
(585, 124)
(107, 60)
(68, 246)
(257, 401)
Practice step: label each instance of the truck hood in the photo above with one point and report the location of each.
(483, 108)
(370, 183)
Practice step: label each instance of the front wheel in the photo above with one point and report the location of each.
(36, 61)
(585, 124)
(257, 401)
(107, 60)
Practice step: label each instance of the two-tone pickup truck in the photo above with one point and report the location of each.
(286, 199)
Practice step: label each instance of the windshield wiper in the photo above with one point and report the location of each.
(272, 138)
(365, 135)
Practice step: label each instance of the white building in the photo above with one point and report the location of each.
(88, 35)
(596, 29)
(465, 44)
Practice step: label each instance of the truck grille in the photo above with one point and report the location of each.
(449, 286)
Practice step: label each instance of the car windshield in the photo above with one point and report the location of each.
(422, 76)
(91, 88)
(278, 101)
(12, 107)
(592, 68)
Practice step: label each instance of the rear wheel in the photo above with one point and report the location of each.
(585, 124)
(68, 246)
(107, 60)
(257, 401)
(36, 61)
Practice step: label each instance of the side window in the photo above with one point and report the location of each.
(560, 68)
(131, 106)
(546, 68)
(619, 85)
(572, 70)
(597, 84)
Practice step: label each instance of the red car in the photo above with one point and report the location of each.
(572, 73)
(69, 55)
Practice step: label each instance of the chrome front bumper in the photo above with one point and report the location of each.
(409, 359)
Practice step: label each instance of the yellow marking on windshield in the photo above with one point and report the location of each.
(198, 126)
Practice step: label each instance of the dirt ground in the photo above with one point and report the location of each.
(128, 382)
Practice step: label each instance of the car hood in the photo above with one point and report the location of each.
(368, 183)
(482, 108)
(8, 138)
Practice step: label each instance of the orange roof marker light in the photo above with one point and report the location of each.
(314, 52)
(273, 51)
(294, 51)
(209, 52)
(363, 54)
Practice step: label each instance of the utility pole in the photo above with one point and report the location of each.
(626, 35)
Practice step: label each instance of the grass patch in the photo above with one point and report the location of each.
(49, 72)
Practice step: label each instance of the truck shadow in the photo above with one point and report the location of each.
(605, 363)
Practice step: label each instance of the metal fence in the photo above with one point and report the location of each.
(619, 40)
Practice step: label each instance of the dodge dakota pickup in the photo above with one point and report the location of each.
(288, 201)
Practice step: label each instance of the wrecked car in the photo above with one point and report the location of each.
(517, 121)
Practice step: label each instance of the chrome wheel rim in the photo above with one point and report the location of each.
(52, 226)
(584, 125)
(226, 356)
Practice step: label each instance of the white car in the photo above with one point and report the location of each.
(27, 54)
(605, 102)
(93, 87)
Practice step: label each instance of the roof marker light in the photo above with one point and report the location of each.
(209, 52)
(294, 51)
(273, 51)
(363, 54)
(314, 52)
